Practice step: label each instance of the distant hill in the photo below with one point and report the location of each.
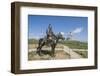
(32, 41)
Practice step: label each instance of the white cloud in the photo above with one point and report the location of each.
(77, 30)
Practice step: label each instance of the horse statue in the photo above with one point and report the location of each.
(50, 40)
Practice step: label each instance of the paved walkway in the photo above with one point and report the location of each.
(73, 55)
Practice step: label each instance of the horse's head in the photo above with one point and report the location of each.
(61, 35)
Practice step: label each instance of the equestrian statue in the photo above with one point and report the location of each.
(49, 40)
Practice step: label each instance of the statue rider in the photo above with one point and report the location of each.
(50, 34)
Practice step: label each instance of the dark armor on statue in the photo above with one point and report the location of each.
(49, 35)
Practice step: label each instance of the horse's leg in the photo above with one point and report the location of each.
(53, 50)
(39, 49)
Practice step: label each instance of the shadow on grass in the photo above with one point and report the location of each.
(59, 54)
(46, 52)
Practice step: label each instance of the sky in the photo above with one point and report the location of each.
(37, 25)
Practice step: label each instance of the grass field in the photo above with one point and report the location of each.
(75, 44)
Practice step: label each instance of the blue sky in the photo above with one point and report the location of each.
(37, 25)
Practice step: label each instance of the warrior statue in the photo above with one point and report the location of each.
(49, 35)
(50, 40)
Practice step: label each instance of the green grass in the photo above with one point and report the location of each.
(32, 41)
(84, 54)
(72, 43)
(75, 44)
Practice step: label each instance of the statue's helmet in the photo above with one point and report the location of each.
(50, 27)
